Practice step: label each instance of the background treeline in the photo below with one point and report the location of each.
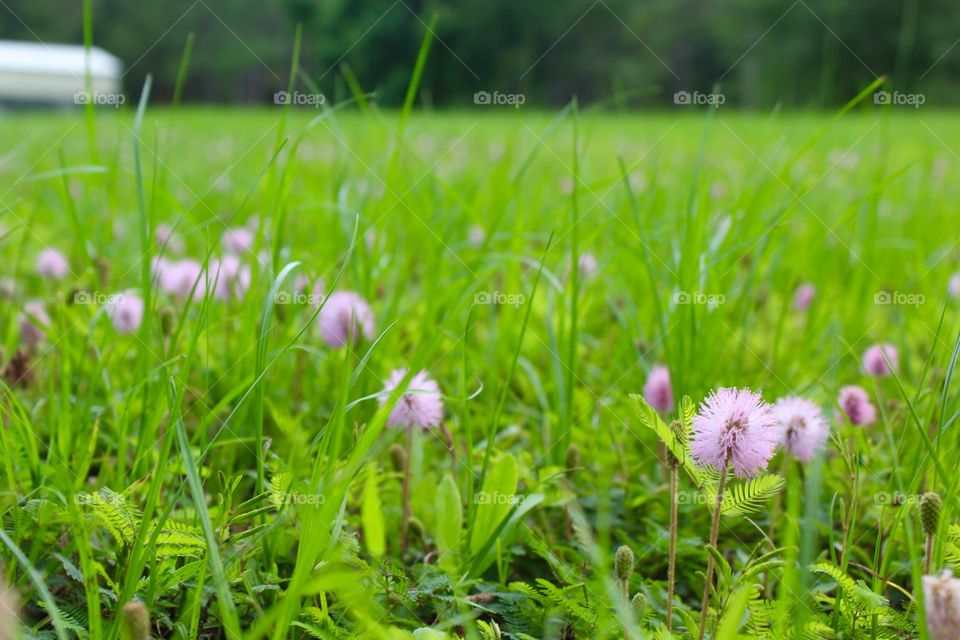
(633, 53)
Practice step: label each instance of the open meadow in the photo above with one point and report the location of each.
(347, 372)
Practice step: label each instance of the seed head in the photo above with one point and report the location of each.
(136, 620)
(639, 603)
(930, 506)
(623, 563)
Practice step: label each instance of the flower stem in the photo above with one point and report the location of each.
(406, 491)
(625, 590)
(672, 566)
(714, 534)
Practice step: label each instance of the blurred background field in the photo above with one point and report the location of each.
(763, 54)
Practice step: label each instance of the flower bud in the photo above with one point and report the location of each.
(623, 563)
(930, 505)
(639, 603)
(573, 456)
(136, 620)
(399, 457)
(168, 320)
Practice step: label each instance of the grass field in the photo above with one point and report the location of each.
(230, 470)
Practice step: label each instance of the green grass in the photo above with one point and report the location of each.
(228, 469)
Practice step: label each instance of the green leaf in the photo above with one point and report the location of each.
(228, 610)
(371, 514)
(676, 442)
(494, 501)
(485, 556)
(865, 599)
(733, 616)
(750, 496)
(449, 510)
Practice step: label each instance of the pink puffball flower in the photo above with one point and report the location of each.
(804, 430)
(34, 320)
(476, 235)
(657, 391)
(953, 287)
(178, 277)
(126, 312)
(941, 602)
(342, 314)
(237, 240)
(803, 296)
(421, 404)
(874, 363)
(8, 288)
(587, 264)
(52, 264)
(856, 406)
(736, 427)
(167, 240)
(229, 277)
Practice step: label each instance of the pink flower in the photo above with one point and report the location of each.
(8, 288)
(587, 264)
(126, 312)
(804, 429)
(177, 277)
(52, 264)
(875, 365)
(341, 316)
(167, 239)
(421, 404)
(237, 240)
(230, 277)
(855, 405)
(941, 602)
(476, 235)
(954, 286)
(370, 238)
(33, 323)
(734, 426)
(657, 391)
(803, 296)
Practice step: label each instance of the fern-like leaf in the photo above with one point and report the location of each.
(676, 443)
(748, 497)
(854, 590)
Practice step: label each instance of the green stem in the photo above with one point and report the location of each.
(406, 491)
(714, 534)
(672, 565)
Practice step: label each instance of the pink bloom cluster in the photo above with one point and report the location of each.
(421, 404)
(52, 264)
(856, 406)
(226, 278)
(804, 296)
(126, 312)
(344, 316)
(876, 357)
(803, 426)
(657, 391)
(734, 427)
(587, 265)
(34, 321)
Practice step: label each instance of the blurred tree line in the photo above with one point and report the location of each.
(625, 53)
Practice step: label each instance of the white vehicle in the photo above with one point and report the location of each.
(35, 73)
